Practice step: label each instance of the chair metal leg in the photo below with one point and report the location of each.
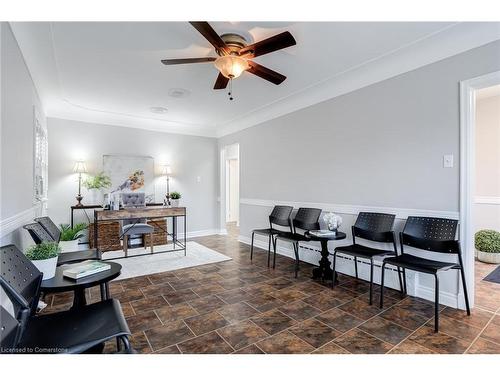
(126, 344)
(464, 284)
(371, 280)
(436, 303)
(151, 243)
(275, 240)
(251, 247)
(404, 281)
(118, 344)
(269, 250)
(333, 268)
(382, 286)
(400, 281)
(356, 266)
(296, 250)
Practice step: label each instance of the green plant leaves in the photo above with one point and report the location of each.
(488, 240)
(42, 251)
(70, 234)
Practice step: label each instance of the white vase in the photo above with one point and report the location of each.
(68, 246)
(94, 196)
(174, 202)
(485, 257)
(47, 267)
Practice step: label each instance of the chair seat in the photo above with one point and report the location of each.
(268, 231)
(420, 264)
(77, 256)
(362, 251)
(293, 237)
(139, 228)
(76, 331)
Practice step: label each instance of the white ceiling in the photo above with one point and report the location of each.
(110, 72)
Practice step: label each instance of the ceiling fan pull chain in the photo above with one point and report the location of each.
(230, 93)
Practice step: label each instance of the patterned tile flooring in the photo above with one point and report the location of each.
(241, 306)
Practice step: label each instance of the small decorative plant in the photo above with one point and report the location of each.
(71, 234)
(99, 181)
(488, 241)
(43, 251)
(175, 195)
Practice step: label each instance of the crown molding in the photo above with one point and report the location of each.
(451, 41)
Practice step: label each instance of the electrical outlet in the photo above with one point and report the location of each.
(448, 161)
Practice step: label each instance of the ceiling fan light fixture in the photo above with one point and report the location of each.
(231, 66)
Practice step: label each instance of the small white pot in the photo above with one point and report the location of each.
(95, 196)
(47, 267)
(488, 257)
(175, 202)
(68, 246)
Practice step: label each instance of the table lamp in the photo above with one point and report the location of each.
(79, 168)
(167, 171)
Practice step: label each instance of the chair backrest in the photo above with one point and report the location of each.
(431, 234)
(49, 226)
(307, 219)
(38, 233)
(20, 278)
(281, 216)
(133, 200)
(374, 226)
(9, 330)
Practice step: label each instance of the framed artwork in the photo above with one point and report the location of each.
(130, 174)
(40, 162)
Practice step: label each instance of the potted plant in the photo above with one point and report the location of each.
(94, 185)
(44, 257)
(70, 236)
(174, 197)
(487, 243)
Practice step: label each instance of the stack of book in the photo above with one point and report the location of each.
(86, 268)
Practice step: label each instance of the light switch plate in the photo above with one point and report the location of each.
(448, 161)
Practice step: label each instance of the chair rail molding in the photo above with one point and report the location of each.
(401, 213)
(10, 224)
(485, 199)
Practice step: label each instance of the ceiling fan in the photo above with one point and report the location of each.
(235, 55)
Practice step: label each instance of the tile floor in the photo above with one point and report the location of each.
(240, 306)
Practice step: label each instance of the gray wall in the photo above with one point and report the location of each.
(189, 156)
(18, 99)
(378, 146)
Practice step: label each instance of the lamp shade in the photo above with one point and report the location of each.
(80, 167)
(166, 170)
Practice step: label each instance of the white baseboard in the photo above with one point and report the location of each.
(456, 301)
(199, 233)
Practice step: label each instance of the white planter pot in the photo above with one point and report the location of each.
(175, 202)
(488, 257)
(47, 267)
(94, 196)
(68, 246)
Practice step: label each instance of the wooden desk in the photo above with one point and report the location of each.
(152, 212)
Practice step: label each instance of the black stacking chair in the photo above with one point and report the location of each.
(279, 216)
(44, 230)
(430, 234)
(74, 331)
(375, 227)
(305, 219)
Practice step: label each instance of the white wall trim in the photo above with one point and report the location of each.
(401, 213)
(199, 233)
(467, 170)
(10, 224)
(485, 199)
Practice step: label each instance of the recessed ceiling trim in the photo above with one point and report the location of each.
(448, 42)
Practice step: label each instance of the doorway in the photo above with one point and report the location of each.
(231, 172)
(474, 179)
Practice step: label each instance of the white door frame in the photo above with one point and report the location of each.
(467, 169)
(222, 185)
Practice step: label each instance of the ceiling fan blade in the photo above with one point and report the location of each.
(268, 45)
(266, 73)
(209, 33)
(188, 61)
(221, 82)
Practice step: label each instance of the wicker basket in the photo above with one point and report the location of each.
(160, 232)
(108, 233)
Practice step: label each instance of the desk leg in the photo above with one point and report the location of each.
(96, 225)
(174, 229)
(185, 236)
(72, 212)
